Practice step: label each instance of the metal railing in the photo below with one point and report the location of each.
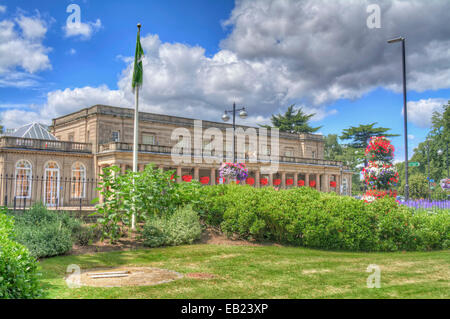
(37, 144)
(20, 192)
(160, 149)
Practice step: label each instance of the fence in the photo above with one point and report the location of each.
(22, 191)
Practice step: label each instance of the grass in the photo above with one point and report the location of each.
(263, 272)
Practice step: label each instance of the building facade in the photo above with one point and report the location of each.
(54, 169)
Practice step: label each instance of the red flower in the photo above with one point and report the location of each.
(263, 181)
(289, 181)
(187, 178)
(204, 180)
(333, 184)
(250, 181)
(312, 183)
(301, 183)
(218, 180)
(277, 182)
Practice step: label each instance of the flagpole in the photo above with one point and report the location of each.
(135, 142)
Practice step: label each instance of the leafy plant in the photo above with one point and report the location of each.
(183, 227)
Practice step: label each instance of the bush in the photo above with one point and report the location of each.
(85, 235)
(18, 269)
(304, 216)
(46, 233)
(183, 227)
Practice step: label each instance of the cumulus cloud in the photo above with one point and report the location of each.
(420, 112)
(81, 29)
(22, 52)
(309, 53)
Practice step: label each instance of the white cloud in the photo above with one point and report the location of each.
(2, 9)
(72, 51)
(309, 53)
(32, 28)
(420, 112)
(411, 137)
(81, 29)
(22, 53)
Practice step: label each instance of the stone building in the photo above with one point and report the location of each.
(52, 166)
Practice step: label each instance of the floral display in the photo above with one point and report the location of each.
(277, 182)
(264, 181)
(312, 183)
(204, 180)
(380, 174)
(301, 183)
(426, 204)
(218, 180)
(445, 184)
(380, 149)
(234, 171)
(333, 184)
(250, 181)
(187, 178)
(289, 181)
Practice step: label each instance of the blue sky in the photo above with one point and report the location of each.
(202, 55)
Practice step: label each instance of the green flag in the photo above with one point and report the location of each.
(138, 70)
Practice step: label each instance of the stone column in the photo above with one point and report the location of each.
(283, 179)
(271, 179)
(306, 179)
(196, 173)
(213, 176)
(179, 174)
(338, 185)
(257, 179)
(295, 179)
(123, 168)
(141, 167)
(326, 182)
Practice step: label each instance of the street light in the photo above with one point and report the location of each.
(405, 111)
(225, 117)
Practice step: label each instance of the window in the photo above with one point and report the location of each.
(23, 179)
(71, 137)
(313, 154)
(148, 138)
(115, 136)
(289, 151)
(78, 182)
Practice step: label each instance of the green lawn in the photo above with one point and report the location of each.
(264, 272)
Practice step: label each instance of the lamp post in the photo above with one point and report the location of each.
(225, 117)
(405, 112)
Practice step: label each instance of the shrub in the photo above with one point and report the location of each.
(304, 216)
(46, 233)
(18, 269)
(85, 235)
(183, 227)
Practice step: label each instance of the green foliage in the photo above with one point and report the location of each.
(18, 269)
(361, 134)
(45, 233)
(148, 194)
(183, 227)
(303, 216)
(293, 121)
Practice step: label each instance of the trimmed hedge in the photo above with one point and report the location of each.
(183, 227)
(18, 269)
(306, 217)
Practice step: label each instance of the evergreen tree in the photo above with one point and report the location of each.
(293, 121)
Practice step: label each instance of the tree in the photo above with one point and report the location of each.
(361, 135)
(293, 121)
(332, 147)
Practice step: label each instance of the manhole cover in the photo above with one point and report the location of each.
(123, 277)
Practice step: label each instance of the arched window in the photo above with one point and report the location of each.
(23, 179)
(78, 187)
(52, 183)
